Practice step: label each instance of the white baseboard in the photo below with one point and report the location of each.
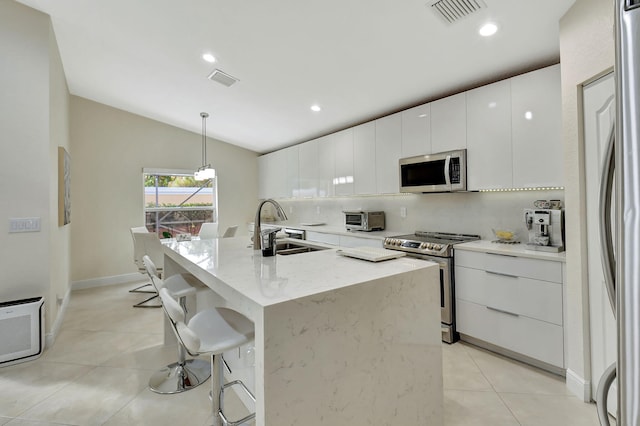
(104, 281)
(578, 386)
(55, 328)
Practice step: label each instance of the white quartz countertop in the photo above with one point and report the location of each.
(335, 230)
(271, 280)
(487, 246)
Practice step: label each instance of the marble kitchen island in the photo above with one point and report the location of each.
(338, 341)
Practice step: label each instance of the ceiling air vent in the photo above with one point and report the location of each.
(222, 78)
(454, 10)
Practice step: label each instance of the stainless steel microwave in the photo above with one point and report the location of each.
(364, 221)
(441, 172)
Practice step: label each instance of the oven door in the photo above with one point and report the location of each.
(447, 312)
(354, 220)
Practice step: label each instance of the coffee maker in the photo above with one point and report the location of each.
(545, 228)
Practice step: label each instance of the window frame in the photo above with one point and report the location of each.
(176, 172)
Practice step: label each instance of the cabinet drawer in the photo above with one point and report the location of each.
(321, 237)
(537, 269)
(346, 241)
(537, 299)
(536, 339)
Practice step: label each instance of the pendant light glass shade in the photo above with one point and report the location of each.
(206, 171)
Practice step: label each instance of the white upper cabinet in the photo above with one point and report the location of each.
(264, 176)
(291, 162)
(416, 133)
(512, 131)
(364, 158)
(326, 165)
(449, 123)
(388, 152)
(536, 105)
(489, 161)
(277, 182)
(343, 179)
(308, 169)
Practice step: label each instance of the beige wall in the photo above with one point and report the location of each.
(586, 50)
(34, 122)
(110, 147)
(59, 236)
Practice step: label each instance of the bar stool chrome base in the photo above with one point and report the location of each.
(176, 378)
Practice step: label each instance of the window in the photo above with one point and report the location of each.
(175, 203)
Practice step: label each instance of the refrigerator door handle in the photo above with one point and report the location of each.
(606, 237)
(608, 266)
(602, 392)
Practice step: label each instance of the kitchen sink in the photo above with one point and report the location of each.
(288, 248)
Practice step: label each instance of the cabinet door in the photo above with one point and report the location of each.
(416, 133)
(364, 158)
(278, 174)
(308, 169)
(326, 165)
(343, 180)
(489, 161)
(449, 123)
(536, 105)
(388, 149)
(291, 159)
(263, 177)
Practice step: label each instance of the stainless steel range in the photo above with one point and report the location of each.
(436, 247)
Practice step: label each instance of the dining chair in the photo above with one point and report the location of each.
(230, 232)
(146, 243)
(208, 231)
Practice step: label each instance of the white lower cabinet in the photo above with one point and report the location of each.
(321, 237)
(515, 303)
(347, 241)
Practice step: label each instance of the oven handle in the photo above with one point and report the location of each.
(447, 178)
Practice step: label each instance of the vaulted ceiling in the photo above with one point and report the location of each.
(356, 59)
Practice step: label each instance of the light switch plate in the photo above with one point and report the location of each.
(24, 224)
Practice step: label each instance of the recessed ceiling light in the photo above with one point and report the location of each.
(528, 115)
(209, 57)
(488, 29)
(315, 108)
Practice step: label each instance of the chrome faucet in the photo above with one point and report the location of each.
(256, 224)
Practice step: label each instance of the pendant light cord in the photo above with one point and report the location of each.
(204, 116)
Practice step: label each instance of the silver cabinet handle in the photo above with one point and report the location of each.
(501, 274)
(502, 311)
(500, 254)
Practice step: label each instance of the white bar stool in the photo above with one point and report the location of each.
(184, 374)
(212, 331)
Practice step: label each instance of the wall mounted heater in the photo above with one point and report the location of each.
(21, 330)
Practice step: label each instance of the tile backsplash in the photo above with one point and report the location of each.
(460, 212)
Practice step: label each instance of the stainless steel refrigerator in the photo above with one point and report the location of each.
(621, 254)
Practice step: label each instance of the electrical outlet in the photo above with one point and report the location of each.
(403, 212)
(317, 209)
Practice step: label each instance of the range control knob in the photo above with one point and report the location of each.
(437, 246)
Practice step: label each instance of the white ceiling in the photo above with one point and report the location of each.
(358, 59)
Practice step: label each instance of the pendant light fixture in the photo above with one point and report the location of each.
(206, 171)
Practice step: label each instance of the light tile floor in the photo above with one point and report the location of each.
(97, 372)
